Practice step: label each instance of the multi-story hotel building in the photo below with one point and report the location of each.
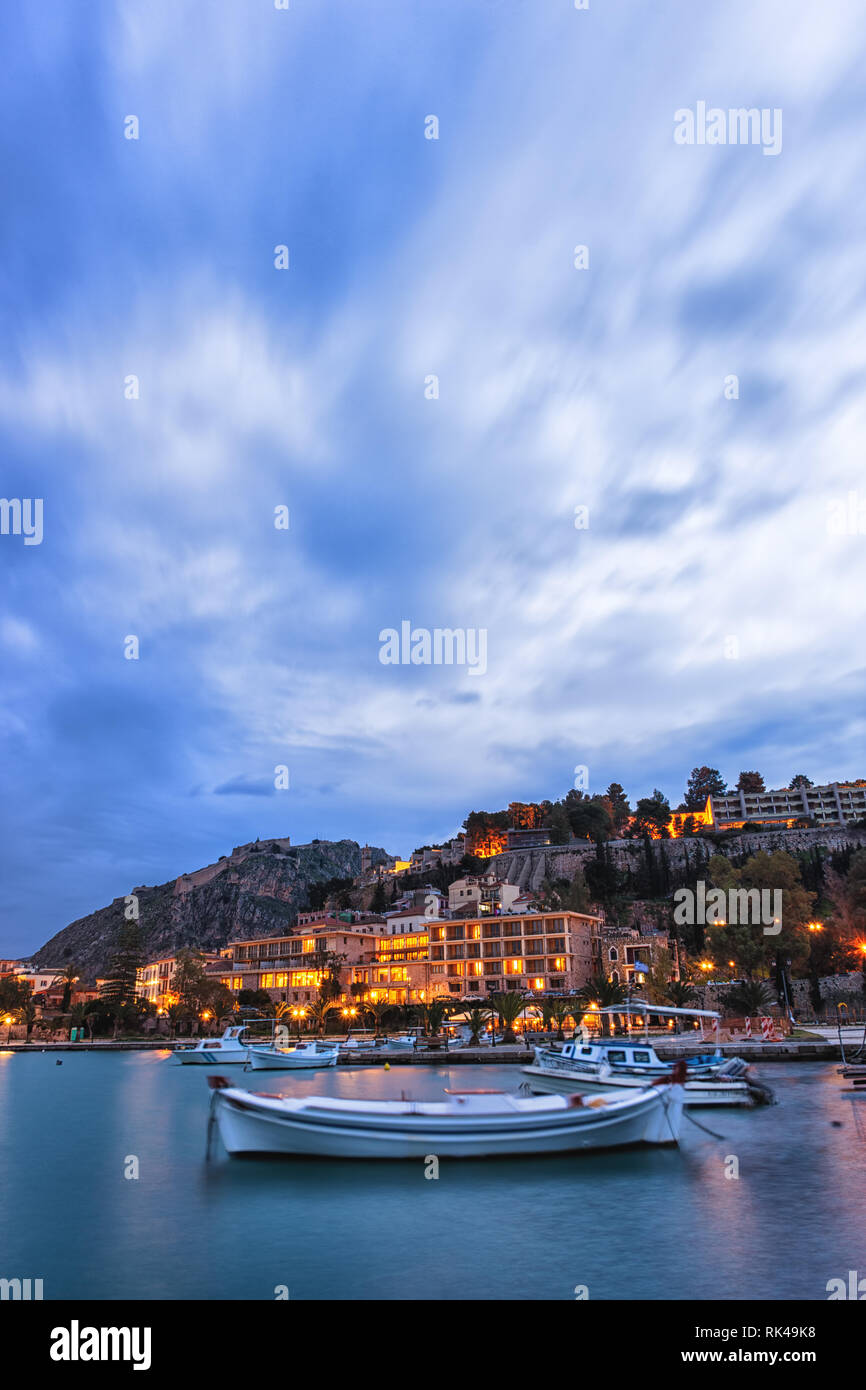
(836, 803)
(548, 952)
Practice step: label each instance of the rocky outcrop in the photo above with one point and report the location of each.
(258, 890)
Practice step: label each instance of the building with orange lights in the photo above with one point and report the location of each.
(551, 952)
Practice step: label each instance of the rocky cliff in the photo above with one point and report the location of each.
(258, 890)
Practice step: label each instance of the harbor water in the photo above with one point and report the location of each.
(106, 1194)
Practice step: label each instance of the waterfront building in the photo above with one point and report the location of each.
(548, 953)
(551, 952)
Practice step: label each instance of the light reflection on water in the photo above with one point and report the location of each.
(651, 1223)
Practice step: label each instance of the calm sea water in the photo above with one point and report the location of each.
(638, 1224)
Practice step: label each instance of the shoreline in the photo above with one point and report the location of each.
(797, 1051)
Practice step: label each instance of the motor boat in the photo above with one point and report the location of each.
(208, 1051)
(467, 1124)
(614, 1065)
(274, 1057)
(597, 1067)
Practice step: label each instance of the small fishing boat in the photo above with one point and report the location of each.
(467, 1124)
(401, 1042)
(613, 1063)
(596, 1067)
(272, 1057)
(208, 1051)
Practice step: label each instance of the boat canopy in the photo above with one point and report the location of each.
(644, 1007)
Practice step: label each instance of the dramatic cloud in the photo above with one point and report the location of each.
(431, 390)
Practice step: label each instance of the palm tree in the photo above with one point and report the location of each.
(434, 1013)
(560, 1010)
(748, 998)
(69, 976)
(604, 994)
(320, 1011)
(379, 1008)
(476, 1019)
(679, 993)
(26, 1013)
(509, 1006)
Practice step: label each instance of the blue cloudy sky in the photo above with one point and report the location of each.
(558, 388)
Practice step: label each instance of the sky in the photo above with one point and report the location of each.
(704, 608)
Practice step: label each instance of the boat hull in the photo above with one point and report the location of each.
(695, 1093)
(263, 1125)
(208, 1057)
(287, 1059)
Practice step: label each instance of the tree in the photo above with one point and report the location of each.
(320, 1010)
(476, 1019)
(679, 994)
(329, 965)
(433, 1014)
(620, 810)
(190, 984)
(560, 1010)
(120, 990)
(652, 816)
(379, 900)
(703, 782)
(558, 822)
(753, 950)
(747, 998)
(658, 979)
(588, 817)
(508, 1006)
(750, 782)
(379, 1009)
(69, 976)
(13, 993)
(601, 993)
(799, 780)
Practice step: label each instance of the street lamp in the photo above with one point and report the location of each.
(349, 1014)
(297, 1015)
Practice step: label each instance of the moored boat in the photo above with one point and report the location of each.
(208, 1051)
(272, 1057)
(564, 1073)
(467, 1124)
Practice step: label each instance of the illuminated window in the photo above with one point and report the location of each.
(559, 963)
(476, 967)
(282, 981)
(303, 979)
(475, 932)
(267, 982)
(513, 967)
(538, 984)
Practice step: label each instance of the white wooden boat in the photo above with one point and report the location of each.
(208, 1051)
(401, 1042)
(467, 1124)
(271, 1057)
(613, 1065)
